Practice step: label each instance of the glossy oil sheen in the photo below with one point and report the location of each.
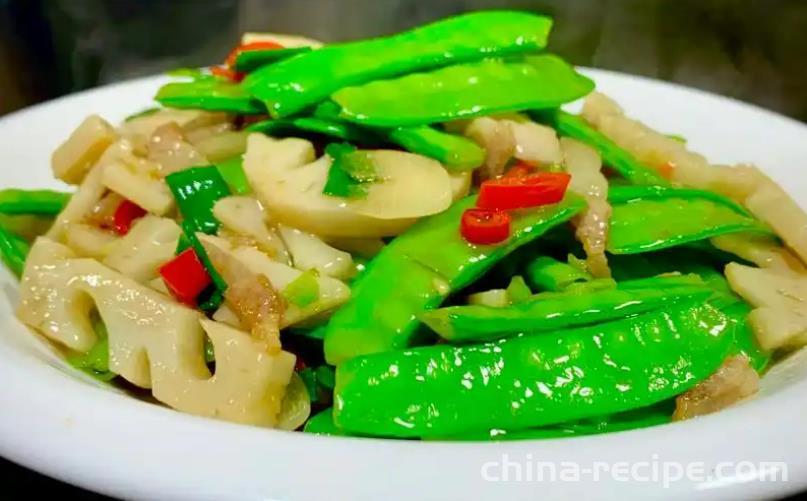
(464, 91)
(294, 84)
(532, 380)
(429, 261)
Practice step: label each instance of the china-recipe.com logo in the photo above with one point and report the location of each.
(654, 469)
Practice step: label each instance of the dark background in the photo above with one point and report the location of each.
(753, 50)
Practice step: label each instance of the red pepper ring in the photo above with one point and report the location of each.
(485, 226)
(125, 215)
(266, 45)
(507, 193)
(185, 276)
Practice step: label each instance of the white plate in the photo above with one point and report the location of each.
(67, 427)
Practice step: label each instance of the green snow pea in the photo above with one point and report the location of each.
(474, 323)
(532, 380)
(546, 273)
(13, 251)
(211, 94)
(464, 91)
(630, 420)
(323, 126)
(612, 155)
(432, 260)
(322, 424)
(248, 61)
(232, 171)
(651, 218)
(457, 153)
(294, 84)
(47, 202)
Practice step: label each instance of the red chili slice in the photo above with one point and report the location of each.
(125, 215)
(534, 190)
(185, 276)
(485, 226)
(229, 74)
(519, 170)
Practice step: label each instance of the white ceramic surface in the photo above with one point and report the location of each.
(65, 426)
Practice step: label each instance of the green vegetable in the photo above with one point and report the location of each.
(428, 261)
(322, 424)
(464, 91)
(630, 420)
(323, 126)
(326, 376)
(294, 84)
(13, 251)
(612, 155)
(303, 290)
(532, 380)
(310, 381)
(142, 113)
(350, 172)
(48, 202)
(546, 273)
(517, 290)
(644, 219)
(210, 300)
(196, 191)
(455, 152)
(211, 94)
(232, 171)
(96, 361)
(248, 61)
(461, 324)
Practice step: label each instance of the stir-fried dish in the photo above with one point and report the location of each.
(409, 237)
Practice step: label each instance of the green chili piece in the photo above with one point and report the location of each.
(457, 153)
(210, 94)
(464, 91)
(232, 171)
(435, 260)
(248, 61)
(294, 84)
(612, 155)
(532, 380)
(650, 218)
(96, 361)
(47, 202)
(474, 323)
(546, 273)
(196, 191)
(13, 251)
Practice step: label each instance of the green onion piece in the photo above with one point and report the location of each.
(16, 201)
(13, 251)
(303, 290)
(350, 171)
(517, 291)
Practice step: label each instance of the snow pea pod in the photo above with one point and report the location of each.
(248, 61)
(322, 424)
(631, 420)
(13, 251)
(464, 91)
(648, 218)
(428, 261)
(211, 94)
(313, 125)
(457, 153)
(546, 273)
(532, 380)
(612, 155)
(294, 84)
(16, 201)
(475, 323)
